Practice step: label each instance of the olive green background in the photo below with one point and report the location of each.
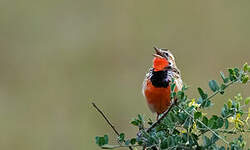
(58, 56)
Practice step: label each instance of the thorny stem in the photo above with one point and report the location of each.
(107, 120)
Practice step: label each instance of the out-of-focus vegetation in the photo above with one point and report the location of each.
(58, 56)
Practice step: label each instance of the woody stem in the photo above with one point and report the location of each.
(107, 120)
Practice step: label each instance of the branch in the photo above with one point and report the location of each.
(107, 120)
(117, 146)
(215, 93)
(182, 147)
(232, 131)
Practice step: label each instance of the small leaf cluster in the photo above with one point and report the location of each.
(102, 140)
(138, 121)
(187, 126)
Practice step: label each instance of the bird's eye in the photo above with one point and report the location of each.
(166, 54)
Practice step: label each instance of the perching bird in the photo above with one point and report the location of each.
(156, 86)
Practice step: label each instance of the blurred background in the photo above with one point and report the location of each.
(56, 57)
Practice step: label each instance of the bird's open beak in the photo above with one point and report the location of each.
(158, 53)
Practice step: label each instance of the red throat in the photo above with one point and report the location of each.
(159, 63)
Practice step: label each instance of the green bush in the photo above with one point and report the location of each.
(186, 126)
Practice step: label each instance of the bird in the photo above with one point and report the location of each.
(156, 85)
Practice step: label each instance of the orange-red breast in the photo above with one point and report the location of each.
(156, 86)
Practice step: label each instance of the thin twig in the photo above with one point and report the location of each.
(182, 147)
(161, 118)
(215, 93)
(232, 131)
(119, 146)
(107, 120)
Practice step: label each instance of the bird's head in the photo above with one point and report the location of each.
(163, 59)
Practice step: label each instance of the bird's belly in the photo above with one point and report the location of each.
(158, 99)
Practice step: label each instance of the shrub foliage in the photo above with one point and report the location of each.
(186, 126)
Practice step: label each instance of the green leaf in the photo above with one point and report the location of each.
(140, 117)
(97, 140)
(202, 94)
(214, 139)
(225, 80)
(207, 103)
(172, 116)
(135, 122)
(101, 140)
(173, 94)
(226, 124)
(247, 100)
(171, 141)
(187, 123)
(172, 86)
(213, 85)
(244, 78)
(237, 72)
(150, 122)
(138, 122)
(215, 122)
(212, 122)
(197, 115)
(220, 122)
(206, 141)
(232, 75)
(121, 137)
(127, 142)
(223, 86)
(238, 97)
(200, 100)
(222, 148)
(164, 144)
(205, 120)
(133, 141)
(245, 67)
(225, 111)
(106, 139)
(185, 87)
(180, 94)
(229, 103)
